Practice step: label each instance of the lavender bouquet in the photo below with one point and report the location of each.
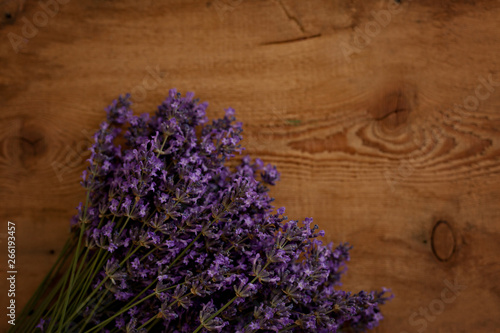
(171, 238)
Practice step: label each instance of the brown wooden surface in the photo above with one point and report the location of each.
(369, 144)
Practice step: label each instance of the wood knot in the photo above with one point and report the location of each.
(443, 241)
(32, 145)
(392, 106)
(10, 9)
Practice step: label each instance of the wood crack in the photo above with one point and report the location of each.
(385, 116)
(291, 17)
(293, 40)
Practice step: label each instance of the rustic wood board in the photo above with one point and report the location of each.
(354, 101)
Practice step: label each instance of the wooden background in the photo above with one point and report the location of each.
(365, 119)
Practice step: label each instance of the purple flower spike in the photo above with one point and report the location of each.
(176, 240)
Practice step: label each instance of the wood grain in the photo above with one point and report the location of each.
(361, 121)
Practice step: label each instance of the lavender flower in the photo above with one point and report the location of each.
(172, 239)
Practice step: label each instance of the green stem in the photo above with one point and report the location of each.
(129, 305)
(237, 243)
(126, 221)
(88, 278)
(58, 305)
(147, 254)
(82, 262)
(95, 290)
(93, 311)
(73, 269)
(227, 304)
(129, 255)
(105, 322)
(147, 288)
(75, 258)
(81, 305)
(148, 322)
(162, 145)
(152, 324)
(184, 251)
(288, 328)
(42, 287)
(216, 314)
(35, 317)
(178, 257)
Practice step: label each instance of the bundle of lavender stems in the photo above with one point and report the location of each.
(173, 238)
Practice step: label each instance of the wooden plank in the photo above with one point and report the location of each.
(360, 119)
